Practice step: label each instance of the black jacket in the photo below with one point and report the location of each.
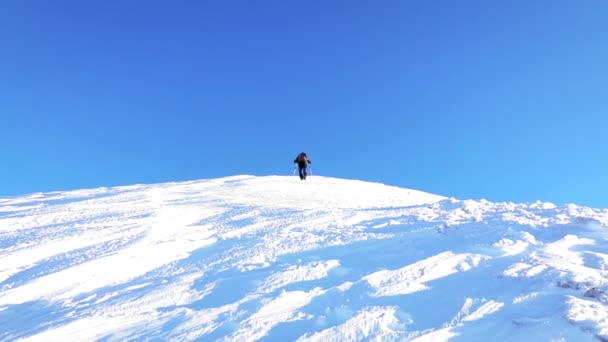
(302, 160)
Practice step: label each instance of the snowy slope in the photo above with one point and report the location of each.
(276, 259)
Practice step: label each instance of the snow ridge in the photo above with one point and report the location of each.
(248, 258)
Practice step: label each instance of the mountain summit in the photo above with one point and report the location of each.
(274, 258)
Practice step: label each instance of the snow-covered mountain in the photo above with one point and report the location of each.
(278, 259)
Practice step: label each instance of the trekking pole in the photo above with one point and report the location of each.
(294, 170)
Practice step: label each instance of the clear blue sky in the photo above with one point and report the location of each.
(503, 100)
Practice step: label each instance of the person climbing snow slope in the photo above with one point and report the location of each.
(302, 160)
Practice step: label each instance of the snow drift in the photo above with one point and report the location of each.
(276, 259)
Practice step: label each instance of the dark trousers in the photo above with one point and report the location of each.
(302, 172)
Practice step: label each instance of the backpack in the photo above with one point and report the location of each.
(302, 159)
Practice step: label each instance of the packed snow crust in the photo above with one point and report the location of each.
(274, 258)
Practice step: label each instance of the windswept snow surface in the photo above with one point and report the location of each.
(278, 259)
